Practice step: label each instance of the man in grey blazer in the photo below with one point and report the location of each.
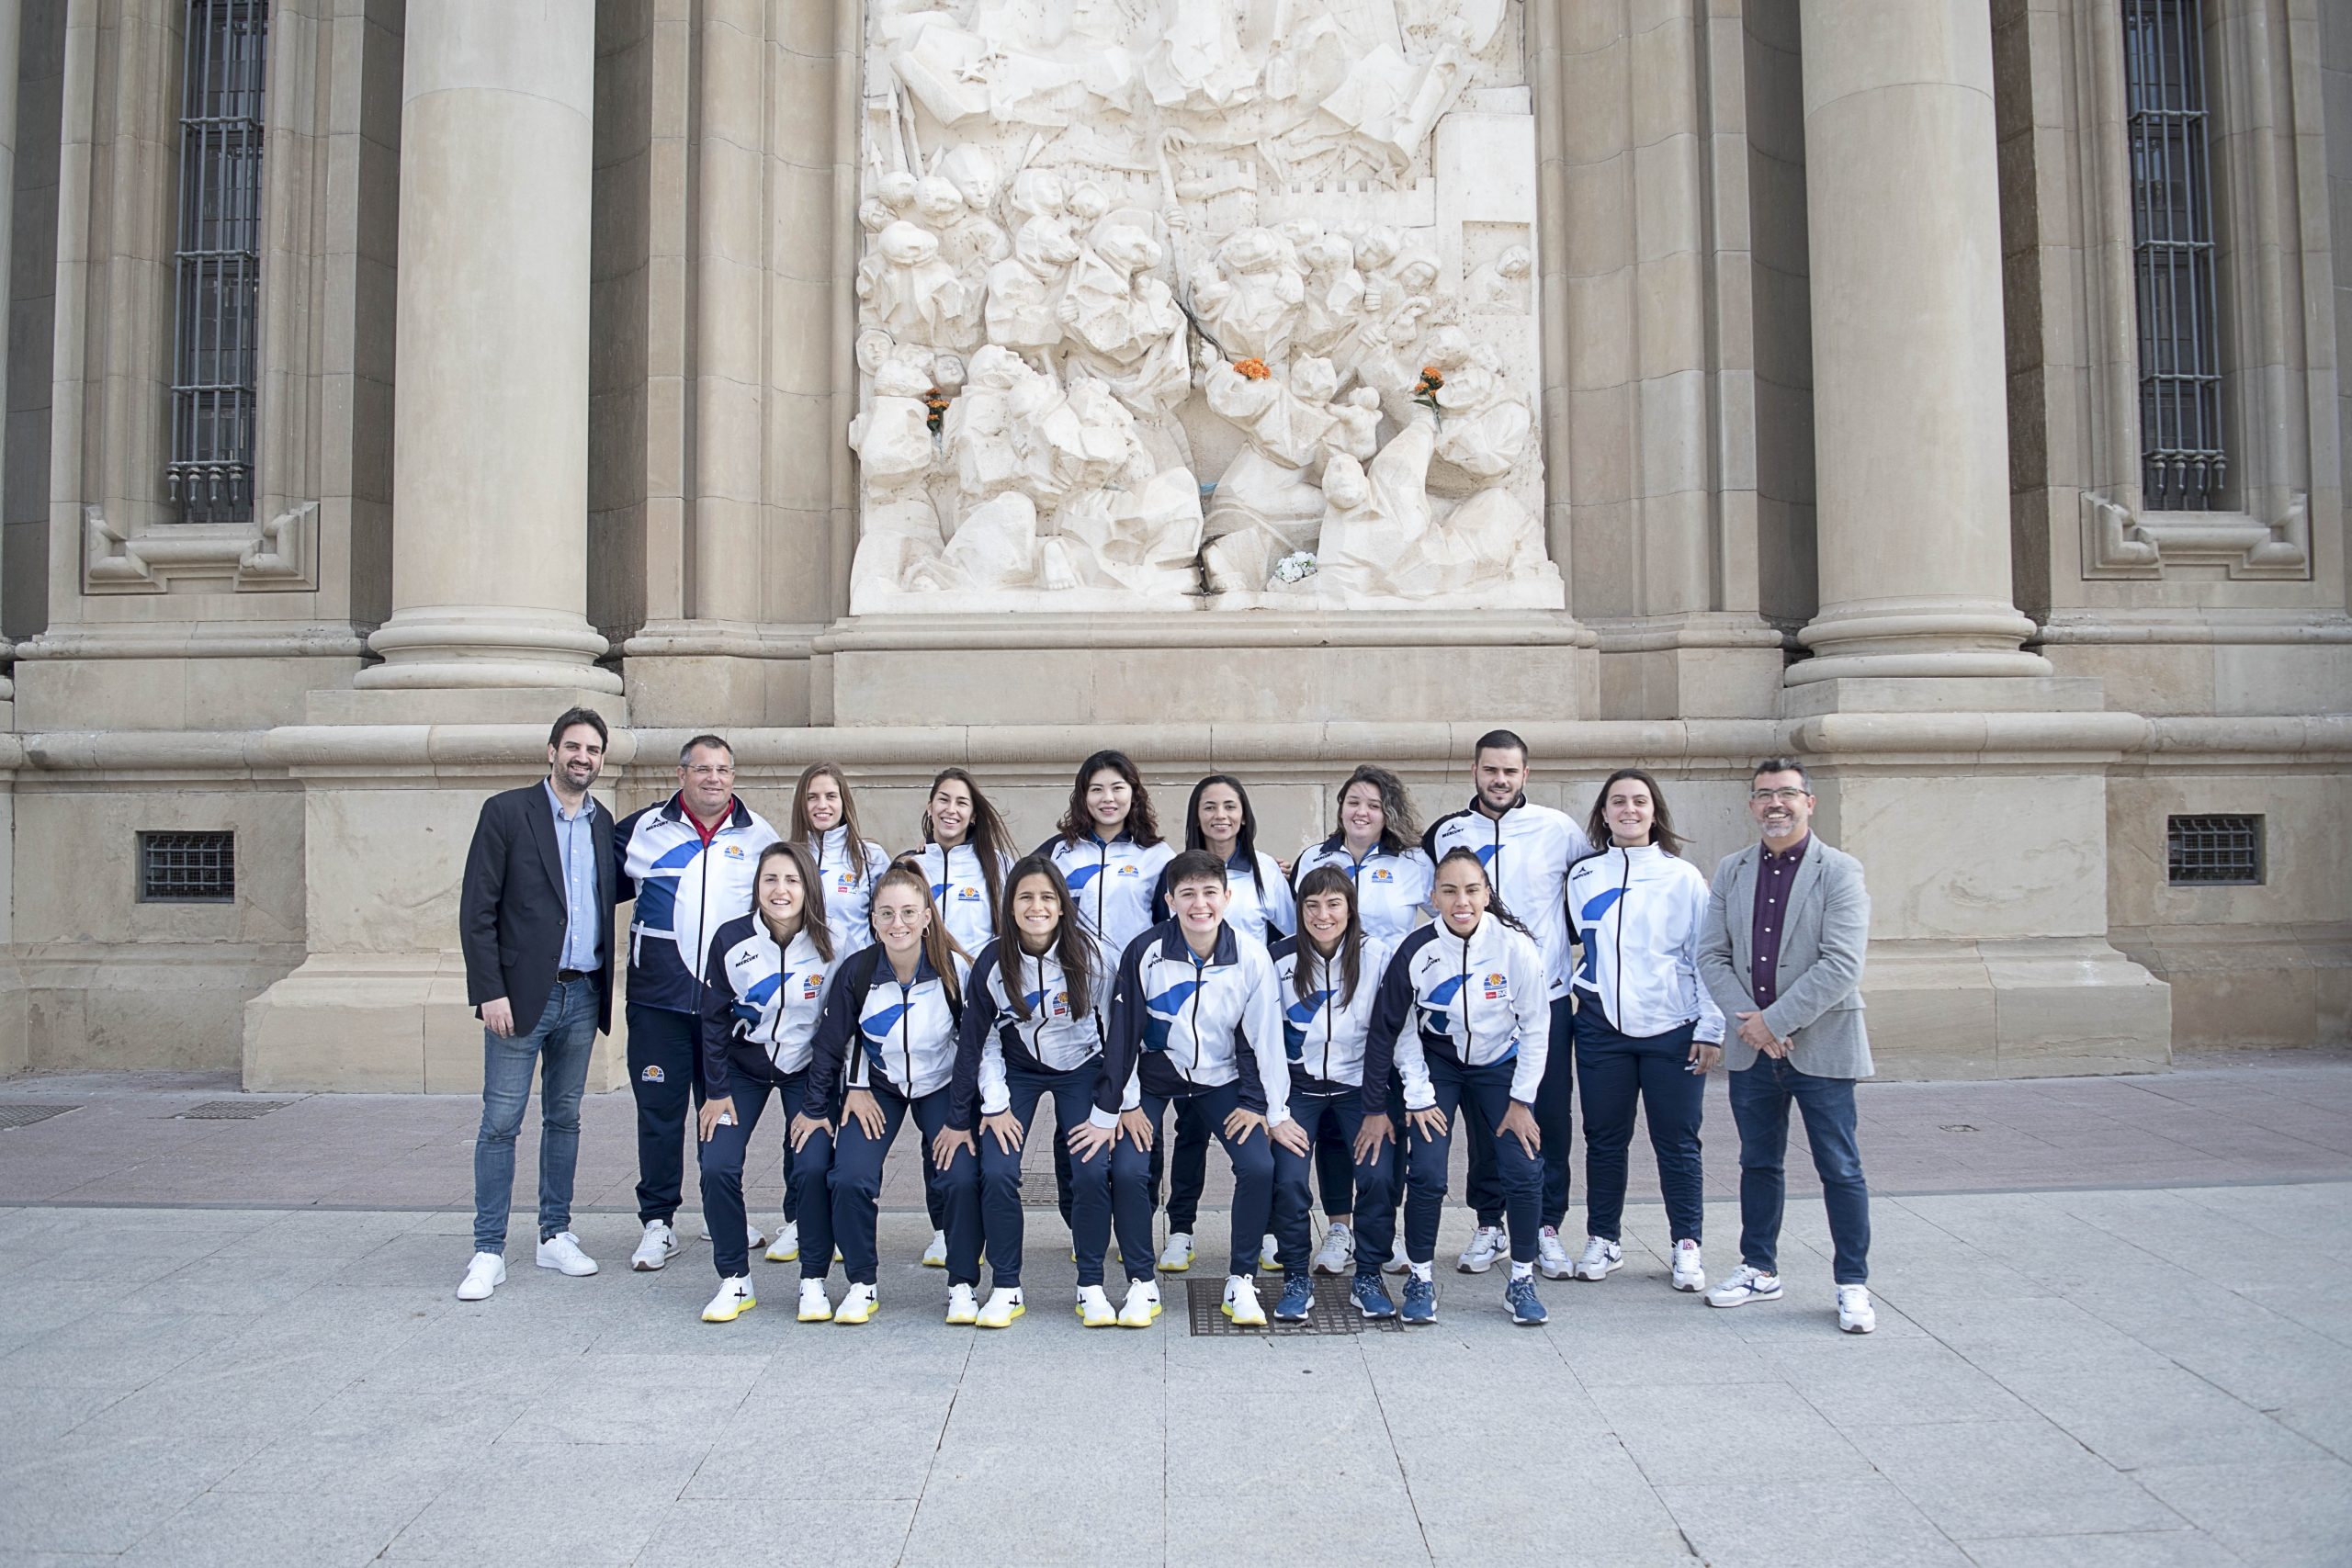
(1782, 954)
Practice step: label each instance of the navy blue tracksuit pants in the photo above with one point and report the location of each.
(722, 1177)
(1617, 1070)
(856, 1179)
(1554, 1119)
(665, 1073)
(1001, 1216)
(1480, 1096)
(1323, 1115)
(1253, 1182)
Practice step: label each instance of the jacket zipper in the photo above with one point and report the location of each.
(1466, 1035)
(1624, 885)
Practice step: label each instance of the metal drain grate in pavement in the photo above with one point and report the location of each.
(26, 1115)
(230, 1110)
(1332, 1313)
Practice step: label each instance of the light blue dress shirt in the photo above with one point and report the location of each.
(584, 923)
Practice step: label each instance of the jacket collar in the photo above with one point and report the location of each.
(1478, 806)
(1174, 945)
(738, 813)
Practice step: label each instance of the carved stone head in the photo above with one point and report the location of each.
(908, 244)
(1344, 485)
(974, 171)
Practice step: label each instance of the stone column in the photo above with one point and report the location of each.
(489, 468)
(1909, 392)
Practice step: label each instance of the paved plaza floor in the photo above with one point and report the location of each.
(2115, 1328)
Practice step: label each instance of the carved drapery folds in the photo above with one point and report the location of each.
(1171, 305)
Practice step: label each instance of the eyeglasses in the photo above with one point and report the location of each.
(709, 771)
(1785, 797)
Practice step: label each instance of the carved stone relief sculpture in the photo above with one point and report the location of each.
(1162, 307)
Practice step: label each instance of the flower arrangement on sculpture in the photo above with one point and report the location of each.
(935, 402)
(1295, 567)
(1253, 370)
(1425, 391)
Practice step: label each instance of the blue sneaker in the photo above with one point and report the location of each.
(1420, 1301)
(1372, 1297)
(1298, 1296)
(1526, 1307)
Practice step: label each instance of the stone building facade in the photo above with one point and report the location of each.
(1818, 413)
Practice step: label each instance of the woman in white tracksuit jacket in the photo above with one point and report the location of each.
(1647, 1032)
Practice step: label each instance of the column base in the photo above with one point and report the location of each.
(382, 1024)
(1903, 639)
(2056, 1007)
(466, 647)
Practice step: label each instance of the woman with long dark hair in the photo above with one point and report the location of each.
(1647, 1032)
(965, 855)
(764, 982)
(1329, 975)
(885, 1052)
(824, 820)
(1029, 1033)
(1219, 820)
(1108, 849)
(1464, 1014)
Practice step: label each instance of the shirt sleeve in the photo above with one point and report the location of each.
(717, 1011)
(1282, 908)
(1390, 1041)
(967, 1082)
(829, 1048)
(1531, 1000)
(1122, 1036)
(1261, 1037)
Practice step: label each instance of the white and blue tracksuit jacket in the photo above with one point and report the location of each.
(878, 1031)
(1392, 890)
(761, 1005)
(1527, 851)
(1114, 884)
(1324, 1032)
(959, 885)
(1258, 906)
(849, 887)
(1473, 1000)
(684, 890)
(1053, 1038)
(1179, 1023)
(1637, 914)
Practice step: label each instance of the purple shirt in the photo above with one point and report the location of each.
(1775, 874)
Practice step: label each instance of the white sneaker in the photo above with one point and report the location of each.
(1490, 1243)
(1004, 1306)
(1338, 1252)
(1398, 1262)
(752, 1240)
(656, 1247)
(562, 1250)
(1094, 1308)
(962, 1305)
(1241, 1302)
(1601, 1258)
(1746, 1285)
(1551, 1254)
(1177, 1256)
(859, 1305)
(1689, 1274)
(815, 1306)
(1855, 1313)
(787, 1245)
(1270, 1259)
(483, 1275)
(1142, 1304)
(734, 1298)
(935, 1255)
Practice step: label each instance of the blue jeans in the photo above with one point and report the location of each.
(857, 1187)
(1760, 1098)
(1253, 1182)
(1554, 1119)
(722, 1174)
(1000, 1217)
(564, 1035)
(1325, 1117)
(1617, 1070)
(1482, 1096)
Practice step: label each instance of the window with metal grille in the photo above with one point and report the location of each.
(217, 336)
(188, 868)
(2182, 462)
(2213, 851)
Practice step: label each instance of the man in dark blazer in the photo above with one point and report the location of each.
(1781, 952)
(536, 921)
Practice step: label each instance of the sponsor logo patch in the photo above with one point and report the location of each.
(734, 851)
(1497, 986)
(1383, 874)
(653, 1073)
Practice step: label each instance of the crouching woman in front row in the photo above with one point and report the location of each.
(765, 986)
(884, 1050)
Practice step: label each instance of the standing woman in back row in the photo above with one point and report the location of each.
(824, 820)
(965, 852)
(1646, 1030)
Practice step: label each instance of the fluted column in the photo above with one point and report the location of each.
(1909, 387)
(490, 477)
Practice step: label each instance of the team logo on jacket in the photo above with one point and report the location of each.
(734, 851)
(967, 895)
(1497, 986)
(1383, 874)
(811, 984)
(1130, 870)
(653, 1073)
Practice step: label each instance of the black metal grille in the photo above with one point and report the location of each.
(217, 340)
(26, 1115)
(1332, 1313)
(2213, 851)
(2182, 463)
(230, 1110)
(188, 868)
